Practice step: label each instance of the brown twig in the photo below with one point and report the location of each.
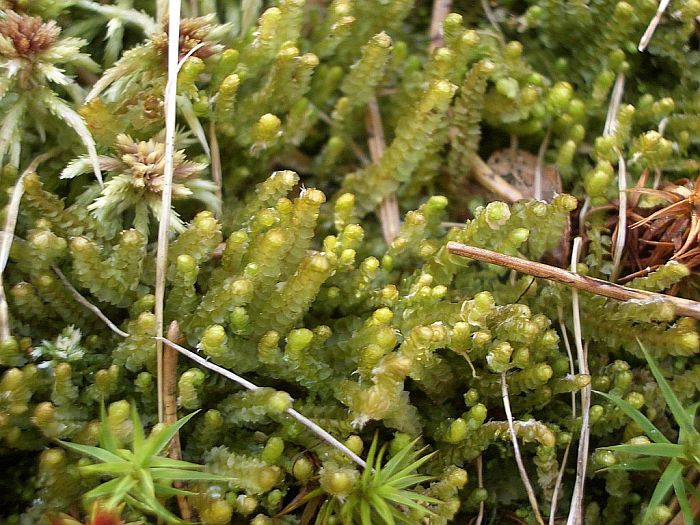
(441, 8)
(170, 407)
(684, 307)
(388, 210)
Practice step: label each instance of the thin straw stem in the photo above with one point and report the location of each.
(516, 450)
(320, 432)
(576, 508)
(166, 201)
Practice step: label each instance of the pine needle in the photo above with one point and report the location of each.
(164, 224)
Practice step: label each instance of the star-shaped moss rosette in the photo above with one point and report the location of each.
(145, 65)
(136, 184)
(655, 451)
(381, 494)
(141, 477)
(32, 56)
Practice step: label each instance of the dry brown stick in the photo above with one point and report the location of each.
(684, 307)
(388, 210)
(170, 407)
(441, 8)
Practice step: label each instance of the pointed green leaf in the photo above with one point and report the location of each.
(139, 437)
(107, 468)
(107, 440)
(635, 415)
(165, 490)
(94, 452)
(638, 464)
(679, 413)
(155, 444)
(384, 510)
(120, 491)
(673, 471)
(172, 474)
(147, 482)
(151, 505)
(165, 462)
(105, 489)
(683, 502)
(663, 450)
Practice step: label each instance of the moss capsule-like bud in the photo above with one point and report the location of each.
(216, 512)
(338, 482)
(303, 469)
(274, 448)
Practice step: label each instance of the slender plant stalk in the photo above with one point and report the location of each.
(492, 182)
(576, 509)
(480, 480)
(87, 304)
(621, 236)
(170, 376)
(646, 37)
(164, 221)
(320, 432)
(8, 234)
(216, 165)
(441, 8)
(537, 190)
(516, 450)
(490, 15)
(684, 307)
(389, 215)
(565, 458)
(614, 104)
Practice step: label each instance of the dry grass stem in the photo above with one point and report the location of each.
(614, 105)
(8, 232)
(490, 15)
(646, 37)
(216, 165)
(567, 449)
(389, 215)
(621, 236)
(164, 220)
(320, 432)
(537, 190)
(480, 480)
(576, 508)
(170, 405)
(485, 176)
(87, 304)
(684, 307)
(516, 451)
(441, 8)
